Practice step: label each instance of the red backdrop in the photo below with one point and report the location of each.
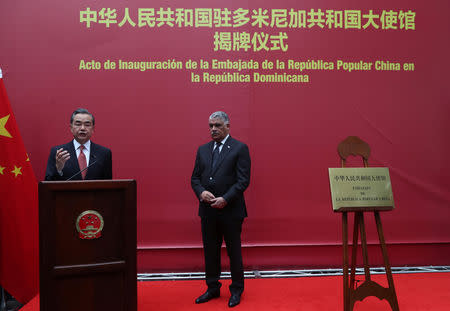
(154, 121)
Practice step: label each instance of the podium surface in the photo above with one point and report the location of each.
(87, 245)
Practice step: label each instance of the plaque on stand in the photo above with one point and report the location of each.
(359, 191)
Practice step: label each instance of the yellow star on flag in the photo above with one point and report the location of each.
(2, 169)
(3, 130)
(16, 171)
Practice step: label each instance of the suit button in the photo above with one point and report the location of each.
(210, 178)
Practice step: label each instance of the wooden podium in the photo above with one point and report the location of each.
(87, 245)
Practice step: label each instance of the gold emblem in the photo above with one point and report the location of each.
(90, 225)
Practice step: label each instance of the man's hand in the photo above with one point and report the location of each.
(207, 197)
(218, 202)
(61, 158)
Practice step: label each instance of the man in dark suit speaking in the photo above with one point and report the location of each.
(80, 158)
(220, 177)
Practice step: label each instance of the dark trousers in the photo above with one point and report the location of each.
(214, 231)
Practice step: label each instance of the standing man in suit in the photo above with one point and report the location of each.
(71, 160)
(221, 175)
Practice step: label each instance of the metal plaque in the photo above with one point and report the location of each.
(360, 187)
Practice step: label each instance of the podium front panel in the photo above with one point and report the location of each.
(88, 245)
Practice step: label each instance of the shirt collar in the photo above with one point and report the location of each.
(224, 140)
(77, 145)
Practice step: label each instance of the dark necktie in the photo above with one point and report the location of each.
(82, 162)
(215, 155)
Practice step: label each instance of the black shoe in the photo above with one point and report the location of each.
(207, 296)
(235, 299)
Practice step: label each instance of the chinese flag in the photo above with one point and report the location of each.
(18, 210)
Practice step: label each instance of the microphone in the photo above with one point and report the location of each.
(80, 171)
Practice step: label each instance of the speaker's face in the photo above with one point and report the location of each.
(82, 127)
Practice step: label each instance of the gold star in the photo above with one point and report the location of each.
(16, 171)
(1, 169)
(28, 158)
(3, 130)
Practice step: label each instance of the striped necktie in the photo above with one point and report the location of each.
(82, 162)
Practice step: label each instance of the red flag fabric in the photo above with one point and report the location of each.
(18, 210)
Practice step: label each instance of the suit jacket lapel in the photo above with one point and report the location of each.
(71, 166)
(73, 157)
(92, 157)
(209, 154)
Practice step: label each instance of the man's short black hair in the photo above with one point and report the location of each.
(82, 110)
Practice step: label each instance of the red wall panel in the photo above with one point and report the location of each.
(154, 121)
